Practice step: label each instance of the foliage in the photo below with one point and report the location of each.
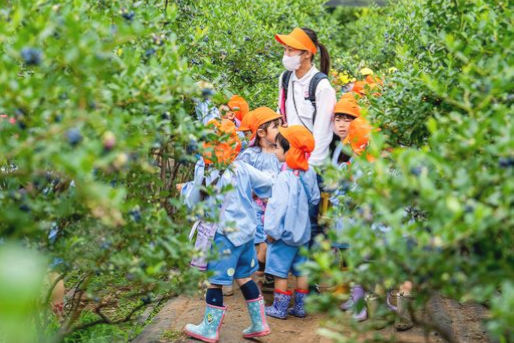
(96, 102)
(232, 45)
(445, 197)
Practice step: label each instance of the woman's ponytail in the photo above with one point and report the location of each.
(324, 55)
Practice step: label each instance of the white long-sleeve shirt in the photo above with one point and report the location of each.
(325, 102)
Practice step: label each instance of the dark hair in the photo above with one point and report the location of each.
(283, 142)
(265, 128)
(324, 56)
(344, 115)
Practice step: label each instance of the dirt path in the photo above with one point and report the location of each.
(182, 310)
(464, 321)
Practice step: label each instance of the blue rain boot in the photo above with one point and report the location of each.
(298, 310)
(208, 329)
(280, 304)
(259, 325)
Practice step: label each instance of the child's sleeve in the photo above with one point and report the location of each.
(191, 190)
(260, 181)
(315, 193)
(276, 209)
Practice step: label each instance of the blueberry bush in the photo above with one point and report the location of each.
(97, 126)
(440, 189)
(95, 123)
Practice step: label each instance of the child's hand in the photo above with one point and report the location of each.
(270, 239)
(179, 186)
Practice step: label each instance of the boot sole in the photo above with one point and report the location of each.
(258, 334)
(201, 338)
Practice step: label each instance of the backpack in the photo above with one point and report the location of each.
(313, 84)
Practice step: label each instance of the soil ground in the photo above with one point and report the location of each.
(463, 320)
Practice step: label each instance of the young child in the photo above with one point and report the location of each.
(234, 240)
(287, 221)
(235, 110)
(345, 111)
(263, 124)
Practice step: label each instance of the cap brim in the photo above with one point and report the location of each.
(290, 41)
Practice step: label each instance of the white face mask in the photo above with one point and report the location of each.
(291, 63)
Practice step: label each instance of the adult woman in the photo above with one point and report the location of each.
(305, 95)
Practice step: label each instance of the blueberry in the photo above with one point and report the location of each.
(247, 39)
(165, 116)
(506, 162)
(229, 32)
(207, 92)
(128, 15)
(149, 52)
(415, 171)
(74, 136)
(206, 39)
(57, 118)
(136, 215)
(191, 147)
(21, 124)
(25, 208)
(31, 56)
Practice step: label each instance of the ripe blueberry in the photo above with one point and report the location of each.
(31, 56)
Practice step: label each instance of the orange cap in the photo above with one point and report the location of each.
(239, 106)
(358, 135)
(297, 39)
(348, 106)
(225, 150)
(259, 116)
(245, 123)
(301, 144)
(350, 96)
(360, 88)
(371, 79)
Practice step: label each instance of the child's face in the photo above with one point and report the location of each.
(342, 124)
(226, 113)
(279, 152)
(269, 134)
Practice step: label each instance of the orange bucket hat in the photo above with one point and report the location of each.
(348, 106)
(301, 144)
(225, 150)
(358, 135)
(239, 106)
(259, 116)
(297, 39)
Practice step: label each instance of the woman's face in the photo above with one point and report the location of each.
(342, 124)
(289, 51)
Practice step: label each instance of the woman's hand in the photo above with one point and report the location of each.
(270, 239)
(179, 186)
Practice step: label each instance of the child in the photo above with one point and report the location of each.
(234, 239)
(287, 221)
(345, 111)
(235, 110)
(357, 136)
(263, 125)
